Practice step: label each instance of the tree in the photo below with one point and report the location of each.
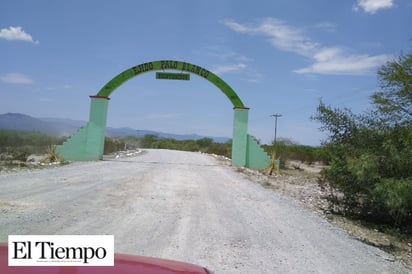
(371, 154)
(341, 124)
(394, 101)
(204, 143)
(148, 140)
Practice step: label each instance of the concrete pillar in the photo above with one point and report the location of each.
(96, 127)
(239, 140)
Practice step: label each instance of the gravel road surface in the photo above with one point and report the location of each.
(183, 206)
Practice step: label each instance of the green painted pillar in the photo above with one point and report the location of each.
(239, 141)
(96, 127)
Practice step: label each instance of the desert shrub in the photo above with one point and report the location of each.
(52, 156)
(20, 155)
(371, 154)
(224, 149)
(288, 150)
(206, 145)
(113, 145)
(392, 202)
(26, 142)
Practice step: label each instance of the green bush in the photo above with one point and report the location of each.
(393, 197)
(20, 142)
(220, 149)
(206, 145)
(289, 150)
(370, 155)
(113, 145)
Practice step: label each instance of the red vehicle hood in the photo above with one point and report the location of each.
(125, 264)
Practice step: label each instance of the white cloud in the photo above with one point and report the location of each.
(15, 78)
(280, 35)
(229, 68)
(229, 61)
(372, 6)
(16, 33)
(327, 60)
(335, 61)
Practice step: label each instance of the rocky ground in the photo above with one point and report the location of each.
(300, 182)
(10, 164)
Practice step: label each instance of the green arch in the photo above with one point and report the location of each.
(88, 142)
(163, 65)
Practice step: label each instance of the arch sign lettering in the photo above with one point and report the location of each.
(171, 65)
(88, 142)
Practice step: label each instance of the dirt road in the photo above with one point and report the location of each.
(183, 206)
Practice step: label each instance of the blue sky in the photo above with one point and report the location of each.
(279, 56)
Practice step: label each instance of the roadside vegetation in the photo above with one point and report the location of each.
(17, 146)
(26, 143)
(206, 145)
(370, 154)
(288, 150)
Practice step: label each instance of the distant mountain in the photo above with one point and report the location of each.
(23, 122)
(67, 127)
(125, 131)
(74, 123)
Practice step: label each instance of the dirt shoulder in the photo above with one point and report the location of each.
(300, 182)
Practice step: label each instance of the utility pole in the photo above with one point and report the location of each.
(275, 164)
(276, 125)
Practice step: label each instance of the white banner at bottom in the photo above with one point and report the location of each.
(61, 250)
